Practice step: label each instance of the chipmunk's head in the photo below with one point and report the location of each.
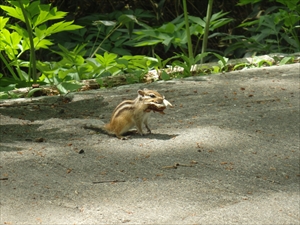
(156, 101)
(150, 96)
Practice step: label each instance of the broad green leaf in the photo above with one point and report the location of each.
(145, 33)
(293, 42)
(63, 72)
(66, 87)
(25, 44)
(5, 36)
(219, 23)
(79, 60)
(3, 22)
(23, 32)
(14, 12)
(164, 75)
(197, 20)
(32, 91)
(216, 69)
(200, 56)
(147, 43)
(196, 29)
(285, 60)
(45, 43)
(15, 40)
(93, 62)
(4, 95)
(167, 28)
(128, 21)
(8, 88)
(32, 9)
(123, 62)
(46, 14)
(40, 31)
(85, 68)
(223, 60)
(124, 18)
(64, 50)
(168, 41)
(61, 26)
(105, 23)
(217, 16)
(108, 59)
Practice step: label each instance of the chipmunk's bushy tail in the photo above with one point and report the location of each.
(101, 130)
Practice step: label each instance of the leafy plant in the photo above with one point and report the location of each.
(275, 30)
(109, 32)
(16, 40)
(175, 34)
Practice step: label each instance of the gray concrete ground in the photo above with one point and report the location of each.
(234, 138)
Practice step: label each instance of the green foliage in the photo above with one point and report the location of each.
(15, 40)
(102, 48)
(111, 32)
(276, 30)
(74, 67)
(175, 34)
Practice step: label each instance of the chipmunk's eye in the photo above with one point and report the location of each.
(152, 96)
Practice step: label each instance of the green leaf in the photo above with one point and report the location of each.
(66, 87)
(168, 41)
(197, 20)
(147, 43)
(20, 30)
(285, 60)
(167, 28)
(108, 59)
(40, 31)
(61, 26)
(3, 22)
(105, 23)
(46, 14)
(164, 75)
(41, 43)
(200, 56)
(125, 18)
(14, 12)
(128, 21)
(123, 62)
(8, 88)
(32, 91)
(216, 69)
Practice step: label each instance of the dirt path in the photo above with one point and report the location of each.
(227, 153)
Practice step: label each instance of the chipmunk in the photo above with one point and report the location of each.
(130, 113)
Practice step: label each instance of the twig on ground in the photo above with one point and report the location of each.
(176, 165)
(108, 181)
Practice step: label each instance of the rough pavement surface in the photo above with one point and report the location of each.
(227, 153)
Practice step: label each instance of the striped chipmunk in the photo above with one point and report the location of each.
(130, 113)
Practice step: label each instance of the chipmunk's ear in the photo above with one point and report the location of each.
(141, 92)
